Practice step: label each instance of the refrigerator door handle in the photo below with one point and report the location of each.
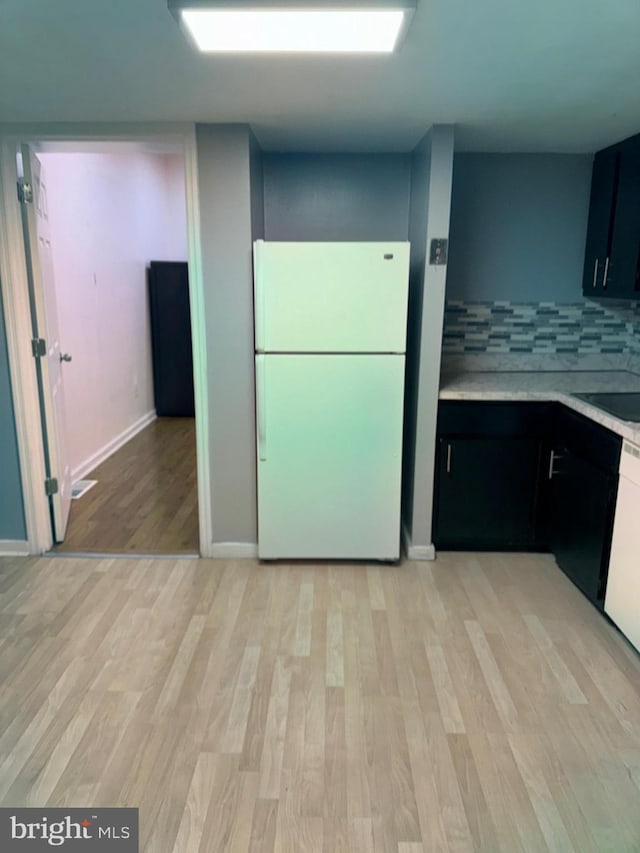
(261, 412)
(258, 292)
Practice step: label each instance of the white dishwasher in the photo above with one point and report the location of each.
(622, 600)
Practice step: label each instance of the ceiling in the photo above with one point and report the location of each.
(554, 75)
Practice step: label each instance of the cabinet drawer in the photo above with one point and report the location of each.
(583, 437)
(494, 419)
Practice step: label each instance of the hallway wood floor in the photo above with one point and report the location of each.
(145, 500)
(478, 703)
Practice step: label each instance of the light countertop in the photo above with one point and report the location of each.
(547, 386)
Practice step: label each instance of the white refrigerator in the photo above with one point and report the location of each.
(330, 333)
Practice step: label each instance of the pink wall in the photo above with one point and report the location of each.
(110, 214)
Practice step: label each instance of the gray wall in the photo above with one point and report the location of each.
(430, 213)
(336, 196)
(518, 226)
(256, 182)
(378, 197)
(12, 522)
(438, 227)
(246, 194)
(420, 173)
(224, 184)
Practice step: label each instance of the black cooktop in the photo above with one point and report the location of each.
(624, 405)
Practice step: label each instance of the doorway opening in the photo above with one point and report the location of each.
(106, 243)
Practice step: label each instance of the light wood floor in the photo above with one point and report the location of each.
(145, 500)
(478, 703)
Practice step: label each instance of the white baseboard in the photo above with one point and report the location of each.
(416, 552)
(111, 446)
(14, 548)
(234, 550)
(421, 552)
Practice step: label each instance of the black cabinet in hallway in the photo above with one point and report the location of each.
(171, 338)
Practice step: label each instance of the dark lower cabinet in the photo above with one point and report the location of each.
(579, 500)
(486, 496)
(487, 473)
(582, 502)
(525, 477)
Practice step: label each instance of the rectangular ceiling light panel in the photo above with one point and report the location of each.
(240, 28)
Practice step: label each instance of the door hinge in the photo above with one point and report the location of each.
(38, 347)
(25, 192)
(51, 486)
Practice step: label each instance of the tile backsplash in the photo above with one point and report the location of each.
(541, 328)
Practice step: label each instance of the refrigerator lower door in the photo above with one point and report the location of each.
(329, 456)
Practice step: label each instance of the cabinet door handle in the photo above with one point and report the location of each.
(448, 458)
(554, 455)
(606, 271)
(595, 274)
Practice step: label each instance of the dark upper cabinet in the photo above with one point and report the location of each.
(623, 275)
(612, 251)
(604, 181)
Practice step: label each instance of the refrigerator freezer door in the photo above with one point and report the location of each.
(329, 456)
(331, 297)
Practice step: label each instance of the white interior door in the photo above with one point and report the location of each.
(329, 455)
(50, 366)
